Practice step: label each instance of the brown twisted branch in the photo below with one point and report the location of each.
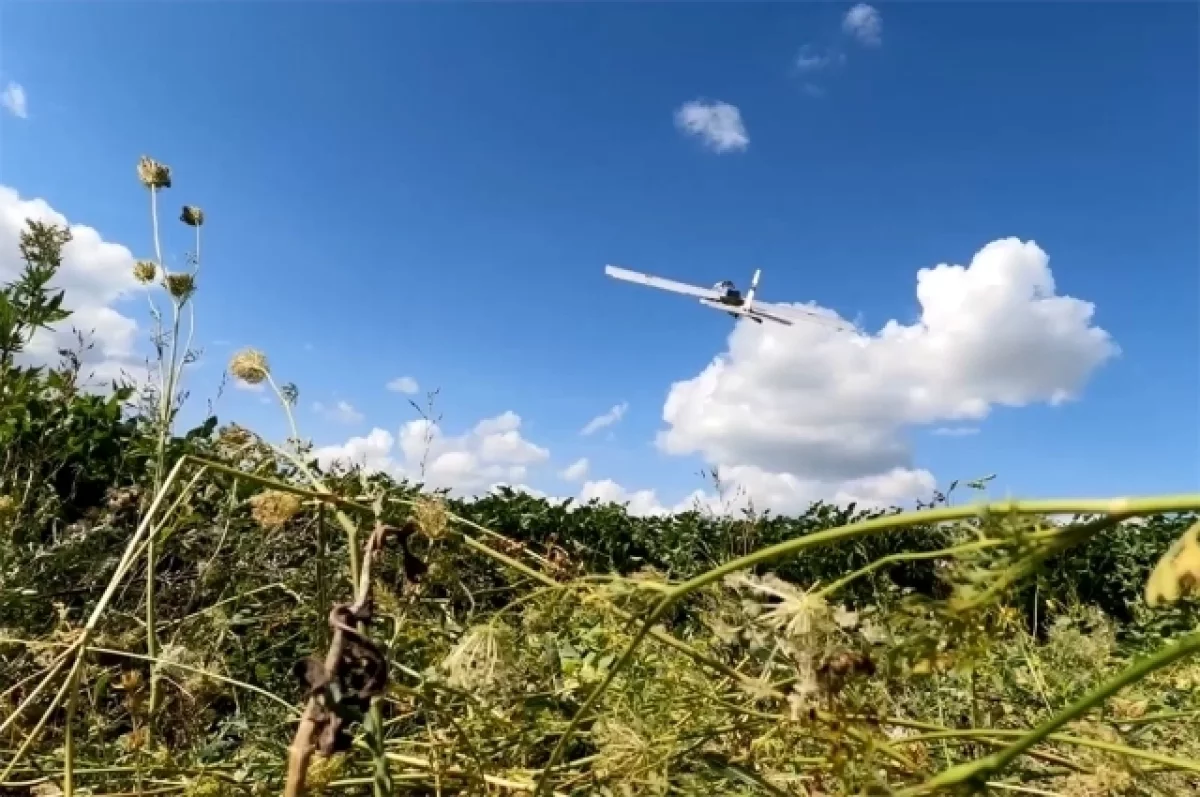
(353, 672)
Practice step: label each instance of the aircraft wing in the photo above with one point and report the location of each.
(660, 283)
(788, 314)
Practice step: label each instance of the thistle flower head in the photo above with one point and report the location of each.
(273, 508)
(192, 216)
(144, 271)
(250, 366)
(153, 174)
(180, 285)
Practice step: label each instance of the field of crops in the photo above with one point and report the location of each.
(208, 612)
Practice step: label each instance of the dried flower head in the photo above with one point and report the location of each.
(207, 786)
(796, 609)
(192, 216)
(144, 271)
(1104, 781)
(250, 366)
(135, 739)
(479, 660)
(323, 770)
(625, 745)
(130, 681)
(153, 174)
(180, 285)
(273, 508)
(234, 435)
(431, 517)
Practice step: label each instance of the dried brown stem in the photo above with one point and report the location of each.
(320, 727)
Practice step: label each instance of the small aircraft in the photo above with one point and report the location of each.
(724, 296)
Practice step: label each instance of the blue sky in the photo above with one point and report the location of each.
(433, 190)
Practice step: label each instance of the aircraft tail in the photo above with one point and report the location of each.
(753, 287)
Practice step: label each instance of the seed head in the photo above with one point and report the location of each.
(290, 394)
(479, 660)
(250, 366)
(153, 174)
(323, 770)
(273, 508)
(235, 435)
(430, 514)
(181, 285)
(192, 216)
(144, 271)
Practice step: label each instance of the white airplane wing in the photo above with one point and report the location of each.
(658, 282)
(800, 314)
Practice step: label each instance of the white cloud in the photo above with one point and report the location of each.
(14, 101)
(607, 419)
(791, 414)
(492, 452)
(372, 452)
(95, 276)
(576, 471)
(340, 412)
(259, 387)
(403, 384)
(643, 503)
(864, 23)
(718, 124)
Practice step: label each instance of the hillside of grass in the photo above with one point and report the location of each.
(205, 611)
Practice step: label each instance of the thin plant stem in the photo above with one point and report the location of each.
(984, 768)
(323, 599)
(1171, 762)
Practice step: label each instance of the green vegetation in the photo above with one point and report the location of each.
(212, 613)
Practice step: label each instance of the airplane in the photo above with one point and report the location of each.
(723, 296)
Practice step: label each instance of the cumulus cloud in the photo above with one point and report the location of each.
(95, 276)
(403, 384)
(792, 414)
(493, 452)
(339, 412)
(606, 419)
(864, 23)
(642, 503)
(14, 101)
(718, 124)
(576, 471)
